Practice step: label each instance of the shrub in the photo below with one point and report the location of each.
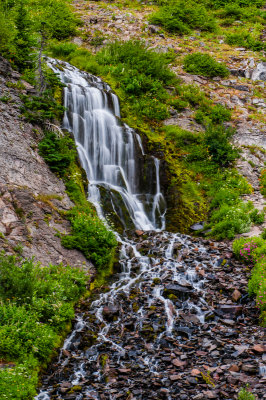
(244, 394)
(63, 49)
(212, 114)
(245, 39)
(90, 235)
(181, 16)
(241, 3)
(56, 18)
(204, 64)
(228, 221)
(138, 58)
(57, 152)
(220, 149)
(263, 182)
(253, 251)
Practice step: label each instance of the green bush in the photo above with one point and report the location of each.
(138, 58)
(212, 115)
(58, 152)
(204, 64)
(56, 18)
(181, 16)
(90, 235)
(244, 394)
(245, 39)
(19, 382)
(263, 182)
(253, 251)
(233, 12)
(36, 303)
(63, 49)
(220, 149)
(241, 3)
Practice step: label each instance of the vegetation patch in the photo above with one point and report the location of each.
(204, 64)
(36, 304)
(252, 251)
(180, 16)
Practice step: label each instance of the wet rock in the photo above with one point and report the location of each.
(176, 290)
(250, 368)
(236, 295)
(229, 309)
(110, 312)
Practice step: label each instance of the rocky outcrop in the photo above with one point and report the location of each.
(31, 196)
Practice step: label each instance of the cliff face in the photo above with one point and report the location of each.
(31, 196)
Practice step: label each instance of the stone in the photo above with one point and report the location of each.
(236, 295)
(197, 227)
(178, 363)
(259, 73)
(230, 309)
(250, 368)
(139, 232)
(234, 368)
(175, 377)
(259, 348)
(195, 372)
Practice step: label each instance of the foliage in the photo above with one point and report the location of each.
(180, 16)
(56, 18)
(39, 109)
(244, 394)
(252, 251)
(35, 305)
(263, 182)
(19, 382)
(220, 149)
(204, 64)
(216, 114)
(90, 235)
(240, 3)
(245, 39)
(57, 152)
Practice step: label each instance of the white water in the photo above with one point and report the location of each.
(110, 152)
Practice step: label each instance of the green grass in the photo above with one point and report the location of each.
(36, 304)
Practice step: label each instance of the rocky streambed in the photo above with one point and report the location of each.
(175, 323)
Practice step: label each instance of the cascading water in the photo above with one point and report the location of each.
(134, 340)
(110, 152)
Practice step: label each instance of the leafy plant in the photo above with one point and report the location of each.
(244, 394)
(57, 152)
(204, 64)
(180, 16)
(35, 305)
(220, 149)
(90, 235)
(253, 251)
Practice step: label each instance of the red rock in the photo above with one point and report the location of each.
(236, 295)
(195, 372)
(234, 368)
(138, 232)
(259, 348)
(175, 377)
(178, 363)
(124, 370)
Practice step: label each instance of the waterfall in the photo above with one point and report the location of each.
(111, 153)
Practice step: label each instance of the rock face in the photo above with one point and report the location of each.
(30, 194)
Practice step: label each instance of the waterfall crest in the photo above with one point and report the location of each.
(110, 152)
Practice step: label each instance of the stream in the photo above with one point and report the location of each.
(165, 326)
